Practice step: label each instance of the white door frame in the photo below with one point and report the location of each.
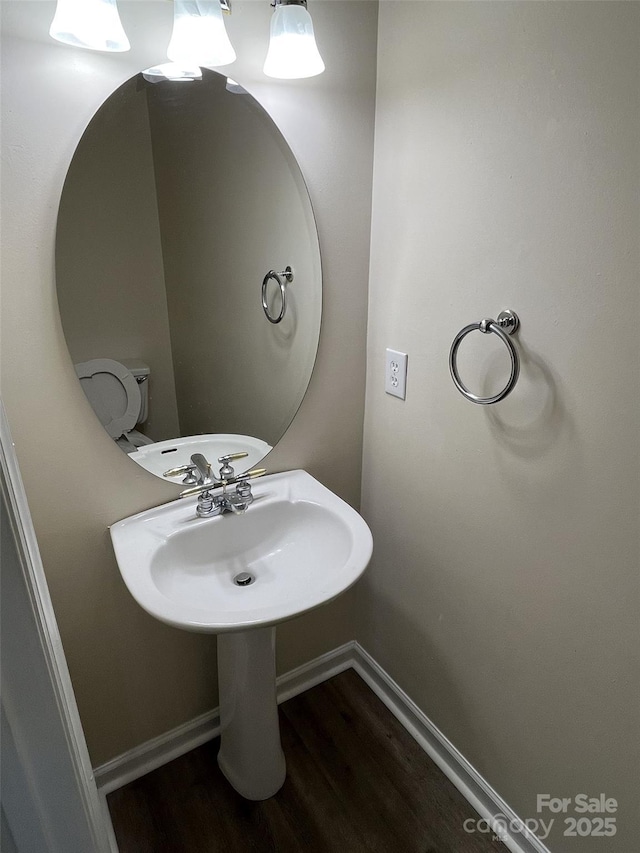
(53, 693)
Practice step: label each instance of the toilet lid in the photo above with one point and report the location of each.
(113, 393)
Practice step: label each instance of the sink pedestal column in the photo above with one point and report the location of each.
(250, 754)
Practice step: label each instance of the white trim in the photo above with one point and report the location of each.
(49, 635)
(106, 814)
(160, 750)
(476, 790)
(473, 787)
(154, 753)
(314, 672)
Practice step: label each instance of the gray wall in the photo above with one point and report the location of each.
(135, 678)
(109, 270)
(235, 371)
(503, 596)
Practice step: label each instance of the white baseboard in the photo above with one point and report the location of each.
(320, 669)
(476, 790)
(473, 787)
(160, 750)
(155, 752)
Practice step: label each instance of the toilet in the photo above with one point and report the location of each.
(119, 395)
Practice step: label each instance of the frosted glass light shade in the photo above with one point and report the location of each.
(199, 36)
(94, 24)
(293, 52)
(172, 71)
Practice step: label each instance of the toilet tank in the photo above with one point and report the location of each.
(140, 372)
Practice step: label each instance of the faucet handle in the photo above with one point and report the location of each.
(243, 497)
(226, 471)
(243, 487)
(198, 490)
(250, 475)
(175, 472)
(230, 456)
(187, 470)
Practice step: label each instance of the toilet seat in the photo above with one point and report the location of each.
(113, 393)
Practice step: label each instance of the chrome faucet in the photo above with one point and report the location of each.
(210, 504)
(203, 467)
(198, 472)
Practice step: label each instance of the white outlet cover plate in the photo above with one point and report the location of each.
(395, 373)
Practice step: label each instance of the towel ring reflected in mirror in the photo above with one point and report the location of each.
(280, 278)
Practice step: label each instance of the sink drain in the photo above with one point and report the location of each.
(243, 579)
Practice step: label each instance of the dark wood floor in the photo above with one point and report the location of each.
(356, 781)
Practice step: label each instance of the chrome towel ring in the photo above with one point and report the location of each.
(287, 275)
(506, 324)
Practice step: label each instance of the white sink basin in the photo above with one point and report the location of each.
(301, 543)
(163, 455)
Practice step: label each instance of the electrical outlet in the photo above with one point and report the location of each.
(395, 375)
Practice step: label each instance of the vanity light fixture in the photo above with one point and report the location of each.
(199, 36)
(94, 24)
(293, 52)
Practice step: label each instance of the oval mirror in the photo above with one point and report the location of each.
(182, 210)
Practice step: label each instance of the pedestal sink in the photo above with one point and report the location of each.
(298, 546)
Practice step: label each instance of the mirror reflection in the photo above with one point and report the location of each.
(182, 209)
